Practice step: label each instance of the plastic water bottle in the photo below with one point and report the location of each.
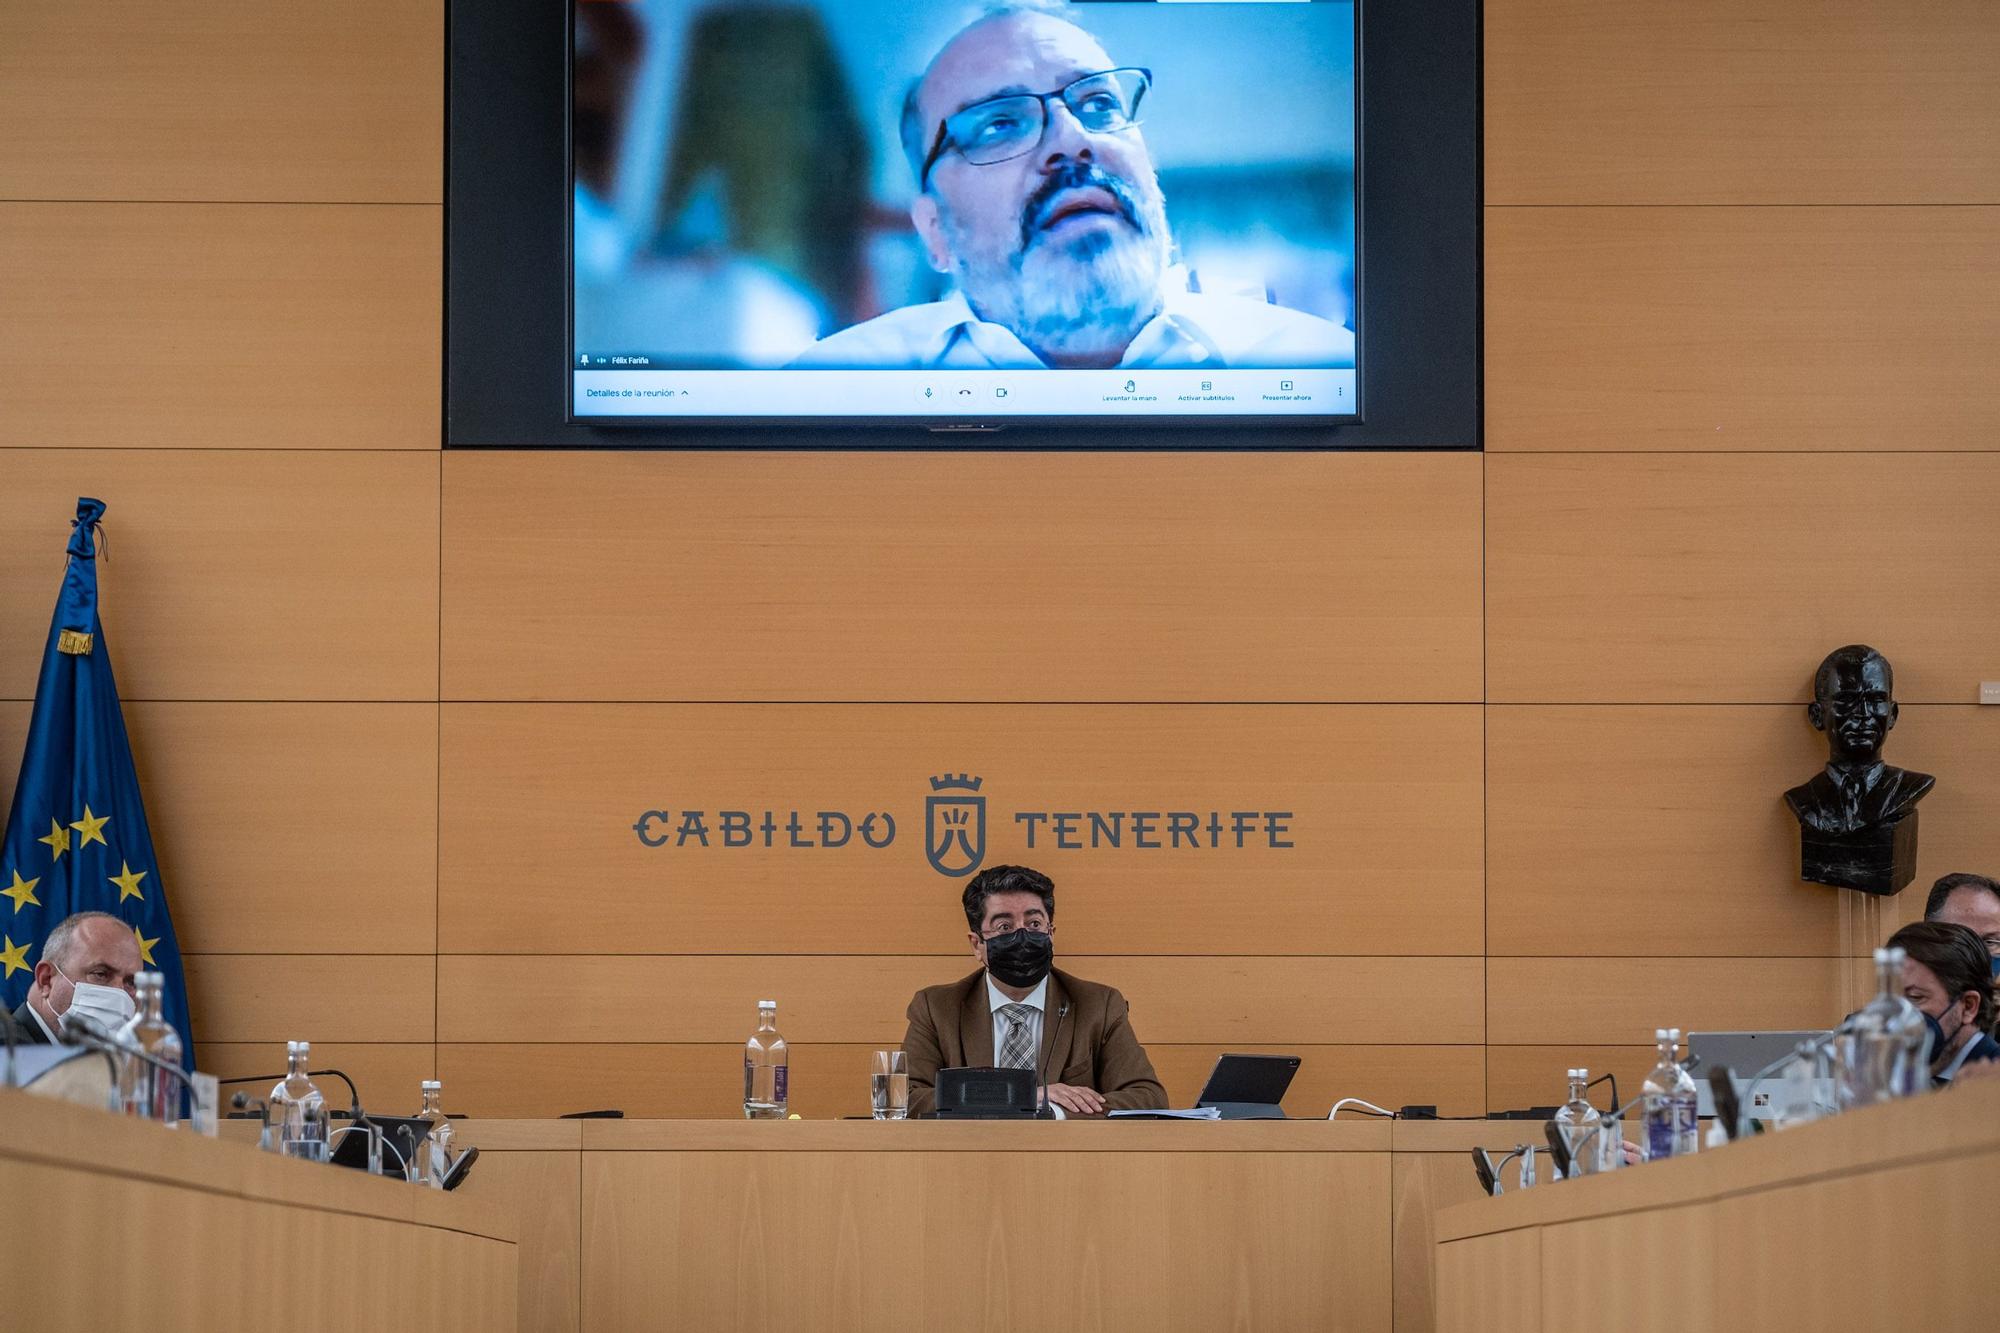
(434, 1152)
(149, 1092)
(1575, 1119)
(131, 1087)
(1879, 1056)
(1670, 1103)
(298, 1109)
(1869, 1047)
(1913, 1074)
(764, 1066)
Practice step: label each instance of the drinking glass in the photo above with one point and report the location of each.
(889, 1086)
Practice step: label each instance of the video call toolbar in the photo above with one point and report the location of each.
(619, 390)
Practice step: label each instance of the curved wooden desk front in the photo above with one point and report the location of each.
(714, 1225)
(1877, 1219)
(119, 1224)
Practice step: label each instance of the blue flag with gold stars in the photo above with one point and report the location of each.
(76, 838)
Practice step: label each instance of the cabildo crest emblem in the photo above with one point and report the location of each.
(955, 825)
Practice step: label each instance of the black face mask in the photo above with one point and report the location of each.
(1940, 1043)
(1020, 957)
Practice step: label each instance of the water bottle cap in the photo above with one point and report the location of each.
(432, 1085)
(767, 1004)
(1659, 1034)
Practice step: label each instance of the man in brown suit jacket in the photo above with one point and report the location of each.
(1018, 1011)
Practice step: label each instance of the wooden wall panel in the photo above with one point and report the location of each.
(388, 1075)
(190, 99)
(284, 828)
(1385, 824)
(1522, 1076)
(1631, 830)
(333, 998)
(1728, 102)
(704, 1080)
(289, 828)
(936, 577)
(208, 326)
(1718, 579)
(857, 999)
(233, 575)
(1610, 1001)
(147, 339)
(1742, 328)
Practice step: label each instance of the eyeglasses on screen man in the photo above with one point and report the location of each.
(1000, 129)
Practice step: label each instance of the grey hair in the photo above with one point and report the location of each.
(910, 125)
(56, 949)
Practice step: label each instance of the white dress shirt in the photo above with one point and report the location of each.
(57, 1038)
(1194, 330)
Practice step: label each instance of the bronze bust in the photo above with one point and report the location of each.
(1857, 816)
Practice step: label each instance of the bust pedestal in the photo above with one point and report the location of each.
(1879, 859)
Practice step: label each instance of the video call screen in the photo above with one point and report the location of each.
(902, 208)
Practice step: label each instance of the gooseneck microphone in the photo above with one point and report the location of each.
(377, 1139)
(1042, 1111)
(14, 1039)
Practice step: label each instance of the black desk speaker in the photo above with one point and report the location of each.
(986, 1094)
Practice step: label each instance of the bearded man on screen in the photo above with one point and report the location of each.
(1037, 196)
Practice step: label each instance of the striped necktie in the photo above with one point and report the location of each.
(1017, 1051)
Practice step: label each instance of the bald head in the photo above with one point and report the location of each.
(1972, 901)
(920, 118)
(90, 948)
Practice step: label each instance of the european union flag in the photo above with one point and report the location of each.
(76, 838)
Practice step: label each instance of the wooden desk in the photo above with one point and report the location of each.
(115, 1223)
(1875, 1219)
(836, 1224)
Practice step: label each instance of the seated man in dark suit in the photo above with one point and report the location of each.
(88, 964)
(996, 1016)
(1948, 975)
(1972, 901)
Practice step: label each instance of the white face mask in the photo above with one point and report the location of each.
(109, 1006)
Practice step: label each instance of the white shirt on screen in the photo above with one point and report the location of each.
(1194, 330)
(1036, 999)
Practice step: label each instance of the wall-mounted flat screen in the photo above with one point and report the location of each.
(904, 210)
